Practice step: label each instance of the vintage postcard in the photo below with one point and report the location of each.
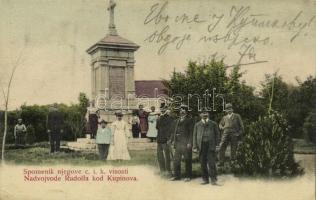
(157, 99)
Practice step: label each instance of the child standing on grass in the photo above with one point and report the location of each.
(103, 139)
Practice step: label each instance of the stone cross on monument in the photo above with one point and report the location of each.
(112, 65)
(112, 76)
(112, 29)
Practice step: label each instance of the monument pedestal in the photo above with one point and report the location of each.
(89, 145)
(112, 82)
(83, 144)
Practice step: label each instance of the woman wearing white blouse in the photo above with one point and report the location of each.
(118, 150)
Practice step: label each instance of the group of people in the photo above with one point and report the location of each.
(54, 125)
(144, 123)
(202, 137)
(182, 133)
(112, 140)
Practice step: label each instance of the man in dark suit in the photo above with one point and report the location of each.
(54, 128)
(205, 140)
(164, 127)
(93, 123)
(232, 127)
(182, 138)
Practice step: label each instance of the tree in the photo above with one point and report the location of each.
(247, 104)
(198, 80)
(201, 77)
(30, 135)
(75, 116)
(83, 103)
(309, 127)
(275, 93)
(6, 97)
(301, 103)
(35, 115)
(294, 102)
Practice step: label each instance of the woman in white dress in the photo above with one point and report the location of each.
(118, 150)
(152, 121)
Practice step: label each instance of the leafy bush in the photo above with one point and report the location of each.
(30, 135)
(267, 149)
(309, 127)
(35, 117)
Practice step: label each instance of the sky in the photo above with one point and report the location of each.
(51, 38)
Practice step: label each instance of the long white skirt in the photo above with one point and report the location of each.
(118, 150)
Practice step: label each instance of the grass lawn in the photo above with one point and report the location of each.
(303, 147)
(39, 155)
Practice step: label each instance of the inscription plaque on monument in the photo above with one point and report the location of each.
(117, 82)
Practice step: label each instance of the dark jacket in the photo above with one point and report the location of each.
(211, 129)
(55, 121)
(93, 122)
(187, 136)
(165, 127)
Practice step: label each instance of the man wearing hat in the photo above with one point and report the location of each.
(164, 128)
(205, 140)
(232, 127)
(182, 138)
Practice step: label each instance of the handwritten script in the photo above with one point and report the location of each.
(233, 30)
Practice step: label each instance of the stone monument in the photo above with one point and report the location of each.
(112, 84)
(112, 69)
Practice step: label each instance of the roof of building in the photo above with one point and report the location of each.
(150, 88)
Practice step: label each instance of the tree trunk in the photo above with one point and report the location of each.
(4, 134)
(272, 94)
(6, 98)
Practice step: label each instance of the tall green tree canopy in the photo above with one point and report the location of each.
(213, 77)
